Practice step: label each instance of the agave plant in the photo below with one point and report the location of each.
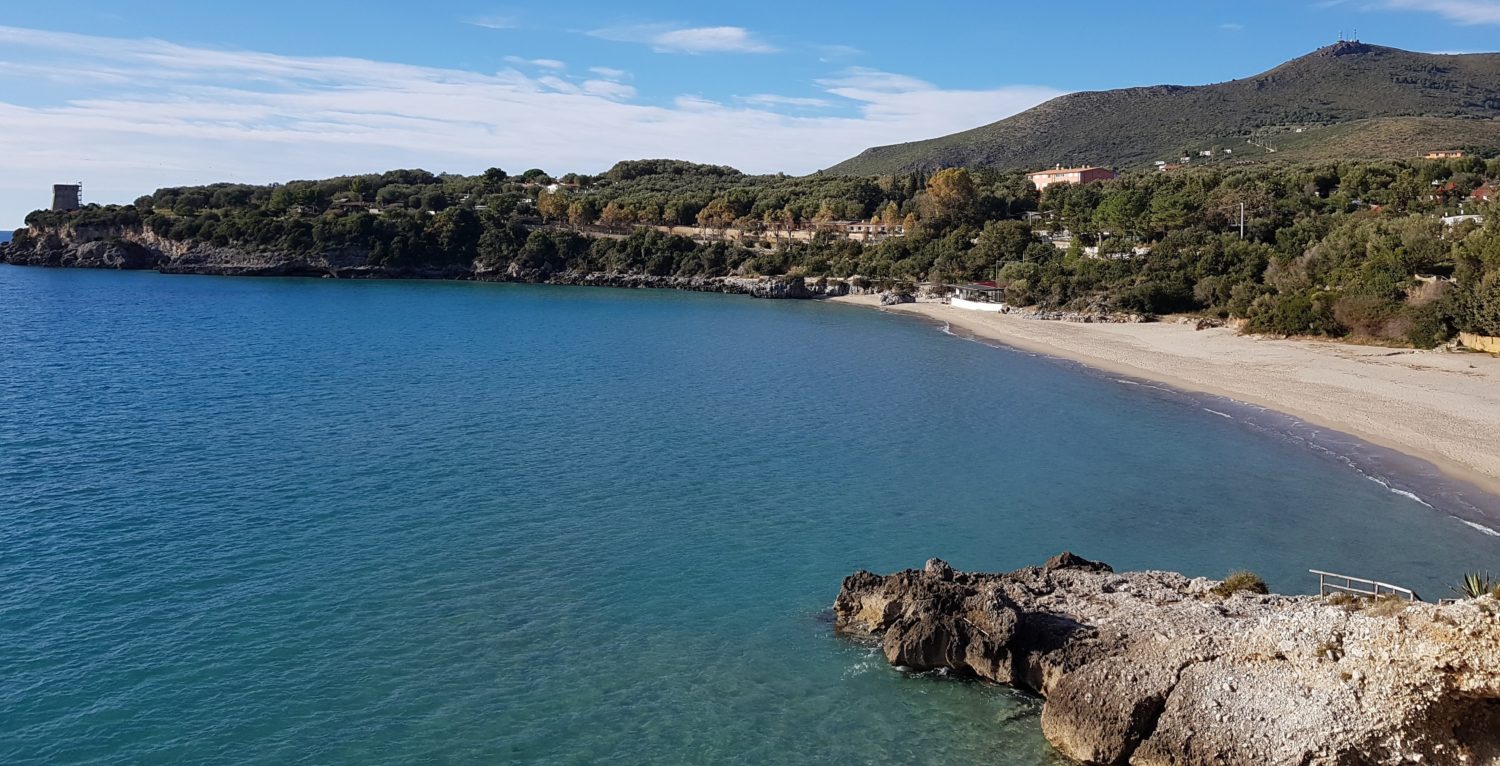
(1476, 585)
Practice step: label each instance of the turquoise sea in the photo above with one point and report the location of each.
(308, 521)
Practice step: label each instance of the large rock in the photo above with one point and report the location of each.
(1154, 668)
(115, 254)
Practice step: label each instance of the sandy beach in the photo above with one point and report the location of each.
(1440, 407)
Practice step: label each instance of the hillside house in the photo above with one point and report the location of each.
(861, 231)
(1062, 175)
(1447, 154)
(1482, 194)
(1454, 220)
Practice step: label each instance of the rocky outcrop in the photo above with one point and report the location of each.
(1155, 668)
(139, 249)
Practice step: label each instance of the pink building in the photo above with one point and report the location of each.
(1062, 175)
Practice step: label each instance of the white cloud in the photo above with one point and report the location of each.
(1467, 12)
(609, 73)
(830, 53)
(608, 89)
(773, 100)
(1232, 27)
(676, 39)
(493, 22)
(553, 64)
(127, 116)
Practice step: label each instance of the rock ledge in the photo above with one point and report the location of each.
(1153, 668)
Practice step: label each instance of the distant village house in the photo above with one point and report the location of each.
(1448, 154)
(1062, 175)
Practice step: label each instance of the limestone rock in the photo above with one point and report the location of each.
(1153, 668)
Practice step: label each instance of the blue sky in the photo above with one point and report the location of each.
(131, 96)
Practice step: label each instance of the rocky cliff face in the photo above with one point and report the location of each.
(141, 250)
(1155, 668)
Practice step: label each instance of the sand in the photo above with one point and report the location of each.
(1442, 407)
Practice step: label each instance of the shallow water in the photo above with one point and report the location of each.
(272, 521)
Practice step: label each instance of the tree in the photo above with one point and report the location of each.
(583, 211)
(553, 206)
(951, 195)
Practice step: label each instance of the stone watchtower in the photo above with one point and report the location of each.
(66, 197)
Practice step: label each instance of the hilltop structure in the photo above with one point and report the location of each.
(67, 197)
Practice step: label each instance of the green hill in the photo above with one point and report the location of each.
(1346, 101)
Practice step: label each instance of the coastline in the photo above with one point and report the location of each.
(1442, 409)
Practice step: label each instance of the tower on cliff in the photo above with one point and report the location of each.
(66, 197)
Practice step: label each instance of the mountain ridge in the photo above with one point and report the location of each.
(1401, 102)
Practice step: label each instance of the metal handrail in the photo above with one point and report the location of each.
(1372, 588)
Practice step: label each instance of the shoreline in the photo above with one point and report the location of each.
(1433, 408)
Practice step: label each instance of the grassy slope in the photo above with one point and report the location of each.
(1354, 98)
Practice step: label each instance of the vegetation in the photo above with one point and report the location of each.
(1241, 582)
(1350, 249)
(1345, 101)
(1388, 605)
(1477, 585)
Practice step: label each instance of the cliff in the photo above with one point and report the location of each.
(1156, 668)
(139, 249)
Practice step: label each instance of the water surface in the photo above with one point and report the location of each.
(308, 521)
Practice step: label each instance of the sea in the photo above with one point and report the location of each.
(301, 521)
(5, 236)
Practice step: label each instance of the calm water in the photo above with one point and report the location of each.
(302, 521)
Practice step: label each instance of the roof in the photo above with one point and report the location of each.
(1065, 171)
(979, 287)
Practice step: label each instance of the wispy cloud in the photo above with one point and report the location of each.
(1467, 12)
(609, 73)
(553, 64)
(831, 53)
(1232, 27)
(494, 22)
(129, 115)
(926, 109)
(669, 38)
(773, 100)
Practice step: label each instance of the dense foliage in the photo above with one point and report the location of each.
(1327, 249)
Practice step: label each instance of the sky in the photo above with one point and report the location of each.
(130, 97)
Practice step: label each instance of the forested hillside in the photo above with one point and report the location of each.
(1346, 101)
(1339, 249)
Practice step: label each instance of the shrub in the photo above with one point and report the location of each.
(1341, 598)
(1387, 606)
(1476, 585)
(1241, 582)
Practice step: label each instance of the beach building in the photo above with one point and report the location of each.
(979, 296)
(1062, 175)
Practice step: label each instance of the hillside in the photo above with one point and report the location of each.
(1349, 101)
